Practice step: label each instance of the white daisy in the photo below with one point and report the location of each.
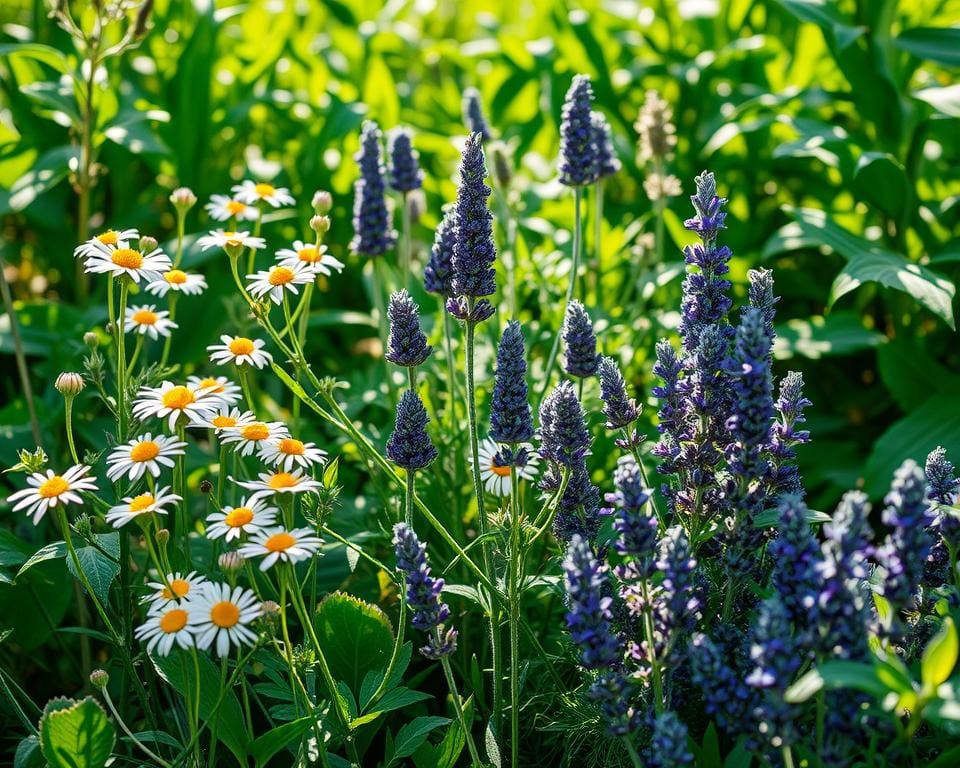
(251, 192)
(279, 278)
(220, 239)
(146, 320)
(48, 490)
(225, 418)
(317, 258)
(224, 208)
(143, 454)
(250, 518)
(179, 281)
(287, 452)
(144, 504)
(176, 589)
(240, 350)
(220, 387)
(219, 616)
(171, 401)
(496, 465)
(105, 240)
(280, 544)
(166, 624)
(279, 482)
(253, 435)
(121, 260)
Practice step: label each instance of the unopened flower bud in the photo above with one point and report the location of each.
(108, 329)
(163, 537)
(91, 339)
(183, 199)
(148, 244)
(269, 608)
(83, 526)
(230, 562)
(206, 486)
(69, 384)
(99, 678)
(320, 224)
(322, 201)
(30, 462)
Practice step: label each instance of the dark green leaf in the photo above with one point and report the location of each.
(879, 179)
(270, 743)
(414, 733)
(838, 333)
(939, 44)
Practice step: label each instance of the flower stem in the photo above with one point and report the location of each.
(408, 498)
(242, 372)
(598, 239)
(22, 370)
(122, 362)
(123, 726)
(406, 249)
(651, 647)
(632, 751)
(172, 304)
(68, 415)
(451, 371)
(136, 354)
(513, 585)
(476, 762)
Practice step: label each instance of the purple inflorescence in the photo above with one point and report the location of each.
(580, 341)
(578, 146)
(588, 606)
(405, 173)
(473, 116)
(607, 162)
(619, 409)
(410, 446)
(407, 345)
(438, 273)
(510, 418)
(373, 232)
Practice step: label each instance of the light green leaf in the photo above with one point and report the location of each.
(52, 168)
(833, 675)
(839, 333)
(42, 53)
(940, 655)
(357, 637)
(770, 517)
(76, 734)
(945, 99)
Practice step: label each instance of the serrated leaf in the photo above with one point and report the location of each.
(99, 569)
(357, 637)
(76, 734)
(940, 655)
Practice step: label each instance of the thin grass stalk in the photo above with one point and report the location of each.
(21, 357)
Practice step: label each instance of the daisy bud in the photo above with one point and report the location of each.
(99, 678)
(322, 201)
(206, 486)
(230, 562)
(183, 199)
(148, 244)
(269, 608)
(163, 537)
(91, 339)
(320, 224)
(108, 329)
(30, 462)
(233, 249)
(69, 384)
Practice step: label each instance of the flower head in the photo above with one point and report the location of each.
(105, 241)
(279, 279)
(438, 273)
(147, 320)
(224, 208)
(656, 129)
(273, 544)
(582, 359)
(473, 252)
(177, 588)
(315, 257)
(249, 517)
(796, 562)
(410, 446)
(405, 173)
(589, 618)
(220, 387)
(278, 481)
(578, 146)
(252, 192)
(224, 418)
(230, 240)
(473, 116)
(407, 345)
(220, 616)
(47, 490)
(668, 745)
(171, 401)
(253, 436)
(120, 260)
(143, 454)
(497, 464)
(240, 350)
(510, 420)
(288, 452)
(373, 232)
(636, 528)
(619, 408)
(167, 623)
(607, 162)
(69, 384)
(942, 483)
(147, 503)
(563, 430)
(178, 281)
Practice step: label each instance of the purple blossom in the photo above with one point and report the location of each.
(510, 419)
(578, 146)
(580, 342)
(373, 232)
(607, 162)
(410, 446)
(407, 345)
(438, 273)
(588, 606)
(473, 116)
(405, 173)
(619, 409)
(473, 252)
(563, 431)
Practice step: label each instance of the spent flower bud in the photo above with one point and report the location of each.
(230, 562)
(206, 486)
(148, 244)
(69, 384)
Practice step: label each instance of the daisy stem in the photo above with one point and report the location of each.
(211, 757)
(136, 354)
(172, 304)
(571, 286)
(408, 498)
(451, 371)
(245, 385)
(123, 726)
(303, 309)
(192, 706)
(221, 474)
(513, 585)
(181, 227)
(122, 362)
(68, 416)
(476, 762)
(183, 526)
(252, 256)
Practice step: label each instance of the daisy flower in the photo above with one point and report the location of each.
(253, 435)
(240, 350)
(143, 454)
(220, 239)
(315, 257)
(219, 387)
(279, 482)
(179, 281)
(251, 192)
(171, 401)
(250, 518)
(146, 320)
(144, 504)
(279, 278)
(104, 241)
(121, 259)
(224, 419)
(224, 208)
(177, 587)
(496, 464)
(280, 544)
(166, 624)
(288, 452)
(49, 489)
(220, 615)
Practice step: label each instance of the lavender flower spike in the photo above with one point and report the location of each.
(438, 273)
(578, 146)
(473, 114)
(796, 558)
(588, 615)
(407, 345)
(423, 593)
(563, 431)
(607, 162)
(510, 420)
(668, 746)
(620, 409)
(580, 341)
(942, 482)
(409, 446)
(373, 233)
(405, 173)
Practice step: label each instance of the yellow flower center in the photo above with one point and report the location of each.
(144, 451)
(232, 238)
(310, 254)
(225, 614)
(175, 277)
(141, 502)
(224, 421)
(178, 588)
(500, 471)
(280, 276)
(256, 431)
(144, 317)
(173, 621)
(238, 517)
(53, 487)
(177, 398)
(110, 237)
(241, 346)
(211, 385)
(291, 447)
(282, 480)
(279, 542)
(127, 258)
(235, 207)
(264, 190)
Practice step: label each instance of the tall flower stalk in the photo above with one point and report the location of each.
(607, 165)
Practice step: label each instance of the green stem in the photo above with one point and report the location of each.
(252, 256)
(243, 373)
(68, 416)
(513, 585)
(123, 726)
(451, 371)
(658, 702)
(787, 756)
(181, 228)
(183, 521)
(122, 362)
(136, 354)
(406, 249)
(408, 498)
(378, 289)
(172, 304)
(598, 239)
(632, 751)
(458, 706)
(21, 357)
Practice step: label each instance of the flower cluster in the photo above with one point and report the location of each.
(373, 232)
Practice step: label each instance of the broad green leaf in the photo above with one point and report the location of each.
(52, 168)
(356, 636)
(940, 655)
(939, 44)
(28, 754)
(13, 549)
(813, 228)
(76, 734)
(270, 743)
(770, 517)
(838, 333)
(911, 375)
(52, 551)
(42, 53)
(400, 697)
(879, 179)
(944, 99)
(99, 569)
(836, 674)
(414, 733)
(932, 290)
(708, 753)
(825, 15)
(451, 746)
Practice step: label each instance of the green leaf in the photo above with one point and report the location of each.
(400, 697)
(356, 636)
(76, 734)
(13, 549)
(837, 674)
(880, 180)
(52, 551)
(911, 375)
(178, 671)
(414, 733)
(49, 170)
(939, 44)
(926, 286)
(270, 743)
(940, 655)
(28, 754)
(825, 15)
(770, 517)
(42, 53)
(99, 569)
(814, 227)
(838, 333)
(708, 753)
(491, 746)
(944, 99)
